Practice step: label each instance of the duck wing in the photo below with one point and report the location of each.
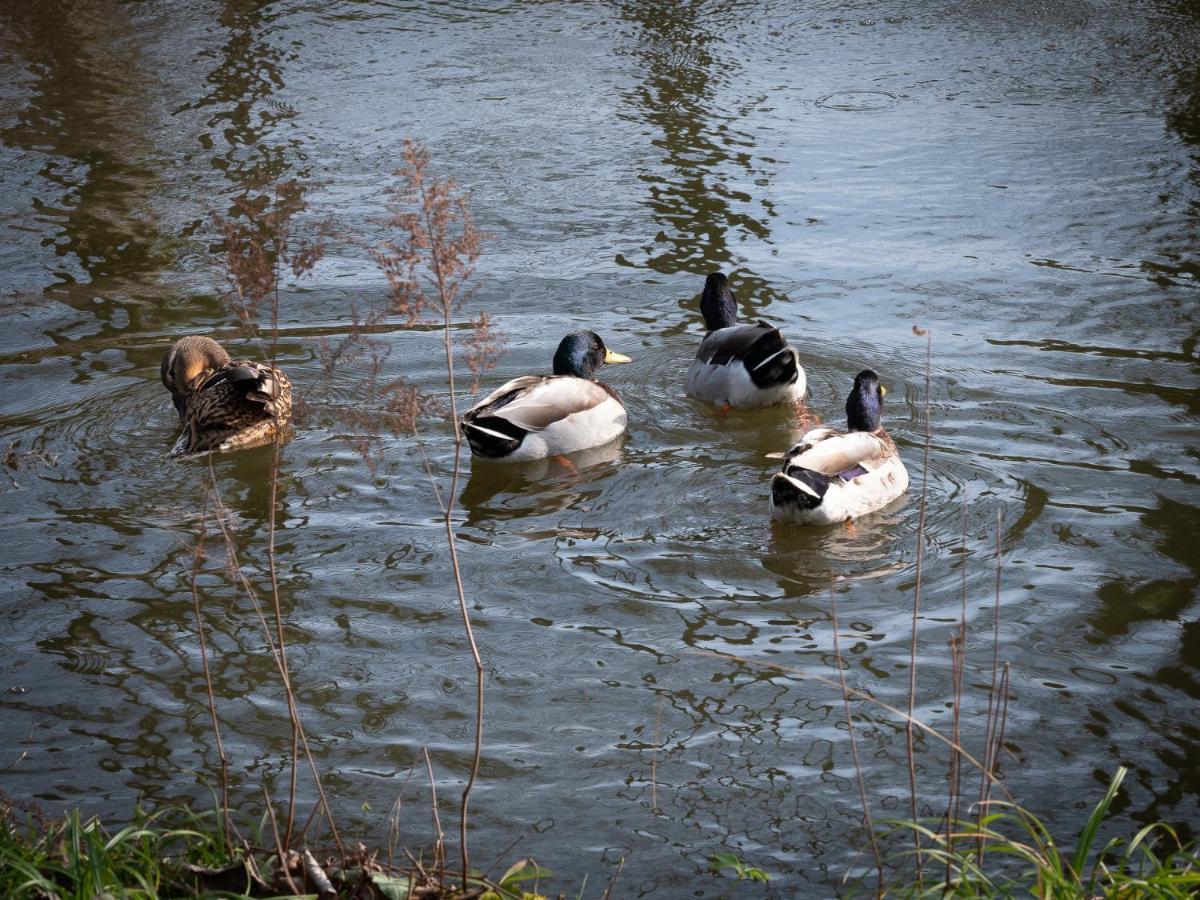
(534, 402)
(750, 344)
(837, 453)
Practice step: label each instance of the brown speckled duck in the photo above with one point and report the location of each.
(223, 404)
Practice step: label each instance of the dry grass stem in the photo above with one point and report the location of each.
(197, 560)
(439, 846)
(868, 824)
(912, 662)
(223, 519)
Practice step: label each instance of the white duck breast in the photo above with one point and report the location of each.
(832, 476)
(534, 416)
(746, 366)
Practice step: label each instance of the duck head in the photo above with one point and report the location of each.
(581, 353)
(717, 303)
(186, 359)
(864, 406)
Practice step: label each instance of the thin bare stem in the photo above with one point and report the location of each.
(283, 862)
(958, 661)
(912, 662)
(990, 729)
(197, 557)
(654, 757)
(858, 771)
(252, 595)
(613, 882)
(440, 836)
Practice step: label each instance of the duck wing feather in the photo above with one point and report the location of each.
(839, 453)
(534, 402)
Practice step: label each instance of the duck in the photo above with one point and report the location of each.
(536, 416)
(223, 404)
(741, 366)
(834, 476)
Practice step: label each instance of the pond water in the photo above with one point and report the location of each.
(1021, 178)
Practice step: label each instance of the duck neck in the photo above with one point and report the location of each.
(862, 411)
(717, 303)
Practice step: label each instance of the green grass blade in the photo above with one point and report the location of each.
(1088, 835)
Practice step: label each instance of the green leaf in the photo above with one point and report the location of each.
(392, 888)
(1088, 835)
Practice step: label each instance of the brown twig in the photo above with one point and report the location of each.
(197, 558)
(429, 265)
(440, 837)
(240, 577)
(958, 660)
(613, 881)
(912, 664)
(282, 853)
(858, 771)
(993, 704)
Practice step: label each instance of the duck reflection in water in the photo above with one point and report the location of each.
(868, 548)
(515, 490)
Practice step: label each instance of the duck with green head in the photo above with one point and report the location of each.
(536, 416)
(832, 476)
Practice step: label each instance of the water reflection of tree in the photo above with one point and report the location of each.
(685, 66)
(1127, 601)
(241, 85)
(82, 119)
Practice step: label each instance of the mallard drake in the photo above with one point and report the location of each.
(223, 404)
(744, 366)
(831, 475)
(536, 416)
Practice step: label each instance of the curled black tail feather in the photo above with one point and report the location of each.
(786, 492)
(492, 436)
(770, 361)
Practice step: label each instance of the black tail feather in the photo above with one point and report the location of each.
(786, 493)
(771, 362)
(492, 436)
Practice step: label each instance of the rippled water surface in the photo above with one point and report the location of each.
(1022, 178)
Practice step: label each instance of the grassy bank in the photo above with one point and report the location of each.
(174, 852)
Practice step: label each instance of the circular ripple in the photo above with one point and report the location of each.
(858, 101)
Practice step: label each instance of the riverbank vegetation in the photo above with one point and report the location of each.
(984, 843)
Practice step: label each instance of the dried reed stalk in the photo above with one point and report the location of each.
(197, 558)
(868, 824)
(240, 577)
(993, 703)
(429, 263)
(912, 663)
(259, 241)
(958, 659)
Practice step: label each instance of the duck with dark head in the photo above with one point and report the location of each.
(833, 476)
(536, 416)
(745, 366)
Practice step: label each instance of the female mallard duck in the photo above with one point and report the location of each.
(536, 416)
(744, 366)
(223, 405)
(831, 476)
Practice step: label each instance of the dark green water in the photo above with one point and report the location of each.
(1023, 178)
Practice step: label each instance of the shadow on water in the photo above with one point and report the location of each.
(1126, 603)
(693, 198)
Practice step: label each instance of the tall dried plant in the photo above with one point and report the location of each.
(263, 241)
(910, 719)
(429, 260)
